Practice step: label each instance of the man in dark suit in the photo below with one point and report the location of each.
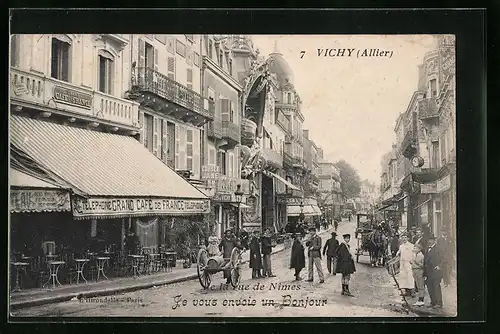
(330, 250)
(433, 273)
(314, 253)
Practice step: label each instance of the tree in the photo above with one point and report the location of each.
(350, 180)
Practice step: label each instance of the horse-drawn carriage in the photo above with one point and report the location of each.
(207, 266)
(370, 242)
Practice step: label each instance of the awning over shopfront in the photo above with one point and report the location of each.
(307, 210)
(118, 175)
(279, 178)
(317, 210)
(30, 194)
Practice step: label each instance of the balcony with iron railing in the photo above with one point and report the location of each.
(428, 109)
(409, 145)
(273, 158)
(231, 132)
(194, 106)
(214, 129)
(298, 162)
(38, 91)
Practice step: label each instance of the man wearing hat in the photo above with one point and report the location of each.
(433, 273)
(446, 250)
(330, 250)
(345, 264)
(314, 254)
(226, 247)
(297, 258)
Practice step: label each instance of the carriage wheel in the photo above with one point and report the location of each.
(203, 276)
(235, 261)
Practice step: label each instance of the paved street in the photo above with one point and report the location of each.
(373, 289)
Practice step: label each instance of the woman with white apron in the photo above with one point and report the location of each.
(405, 277)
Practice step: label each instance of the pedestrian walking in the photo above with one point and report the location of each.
(406, 282)
(266, 249)
(446, 250)
(336, 224)
(330, 250)
(255, 256)
(345, 264)
(314, 254)
(226, 247)
(297, 258)
(417, 266)
(433, 273)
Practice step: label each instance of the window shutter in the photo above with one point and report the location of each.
(171, 68)
(196, 153)
(231, 165)
(190, 78)
(155, 136)
(224, 105)
(182, 147)
(164, 141)
(142, 53)
(110, 77)
(142, 133)
(177, 144)
(156, 59)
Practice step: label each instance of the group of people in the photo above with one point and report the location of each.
(338, 255)
(424, 262)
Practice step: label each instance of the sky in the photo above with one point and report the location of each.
(350, 104)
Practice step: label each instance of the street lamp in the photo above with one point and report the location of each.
(301, 215)
(239, 196)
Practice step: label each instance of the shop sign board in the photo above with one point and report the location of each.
(443, 184)
(223, 197)
(39, 200)
(72, 97)
(119, 207)
(428, 188)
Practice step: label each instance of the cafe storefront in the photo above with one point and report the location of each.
(117, 185)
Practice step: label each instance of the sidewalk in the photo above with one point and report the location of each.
(36, 297)
(449, 303)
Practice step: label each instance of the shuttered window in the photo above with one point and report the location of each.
(189, 78)
(171, 68)
(105, 75)
(171, 143)
(198, 152)
(14, 50)
(224, 109)
(189, 149)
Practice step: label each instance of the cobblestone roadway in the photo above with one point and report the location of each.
(373, 289)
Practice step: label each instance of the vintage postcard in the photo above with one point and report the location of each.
(156, 175)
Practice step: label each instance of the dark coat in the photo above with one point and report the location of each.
(345, 263)
(433, 259)
(298, 258)
(445, 249)
(132, 244)
(226, 246)
(331, 246)
(314, 247)
(255, 256)
(266, 245)
(394, 244)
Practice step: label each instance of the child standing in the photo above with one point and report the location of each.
(417, 266)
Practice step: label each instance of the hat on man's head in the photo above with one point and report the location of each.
(312, 228)
(346, 235)
(334, 234)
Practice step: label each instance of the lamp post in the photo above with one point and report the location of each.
(301, 215)
(239, 196)
(288, 192)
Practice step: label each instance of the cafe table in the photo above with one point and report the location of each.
(101, 261)
(53, 273)
(80, 263)
(135, 264)
(19, 266)
(153, 261)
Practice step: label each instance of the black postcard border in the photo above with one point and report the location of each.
(467, 25)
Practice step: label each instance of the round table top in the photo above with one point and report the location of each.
(51, 255)
(81, 260)
(135, 256)
(56, 262)
(103, 258)
(20, 264)
(170, 253)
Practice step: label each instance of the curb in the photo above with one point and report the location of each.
(112, 291)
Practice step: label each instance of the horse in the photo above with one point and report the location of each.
(376, 246)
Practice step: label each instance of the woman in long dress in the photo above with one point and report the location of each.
(405, 277)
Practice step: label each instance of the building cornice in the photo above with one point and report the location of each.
(212, 66)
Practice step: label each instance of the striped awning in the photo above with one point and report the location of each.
(307, 210)
(117, 174)
(23, 180)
